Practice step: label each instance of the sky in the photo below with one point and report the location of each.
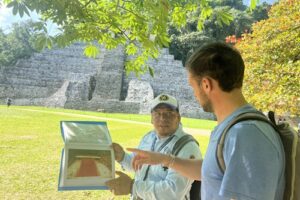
(247, 2)
(7, 18)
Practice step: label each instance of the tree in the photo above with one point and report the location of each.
(19, 43)
(236, 4)
(261, 11)
(272, 58)
(239, 20)
(140, 25)
(182, 46)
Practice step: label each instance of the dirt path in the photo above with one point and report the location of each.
(192, 131)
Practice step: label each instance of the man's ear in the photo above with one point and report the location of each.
(206, 84)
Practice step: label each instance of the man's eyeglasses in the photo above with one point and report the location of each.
(165, 115)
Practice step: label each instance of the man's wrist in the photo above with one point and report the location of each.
(168, 161)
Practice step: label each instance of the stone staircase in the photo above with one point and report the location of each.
(66, 78)
(45, 73)
(170, 77)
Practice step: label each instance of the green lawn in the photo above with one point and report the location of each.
(31, 144)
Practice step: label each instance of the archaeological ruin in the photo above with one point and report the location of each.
(66, 78)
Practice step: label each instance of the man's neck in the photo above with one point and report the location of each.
(160, 136)
(227, 103)
(164, 136)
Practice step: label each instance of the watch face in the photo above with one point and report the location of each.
(89, 163)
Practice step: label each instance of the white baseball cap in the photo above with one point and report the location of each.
(165, 99)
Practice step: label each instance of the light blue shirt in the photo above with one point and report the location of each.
(162, 184)
(254, 159)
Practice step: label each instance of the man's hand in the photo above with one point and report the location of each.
(121, 185)
(147, 157)
(119, 152)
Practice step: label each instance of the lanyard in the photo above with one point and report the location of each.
(158, 150)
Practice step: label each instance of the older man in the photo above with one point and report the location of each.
(157, 182)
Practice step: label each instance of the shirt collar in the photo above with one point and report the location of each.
(243, 109)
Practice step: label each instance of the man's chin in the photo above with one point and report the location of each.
(207, 107)
(164, 133)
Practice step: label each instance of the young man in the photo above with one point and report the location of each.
(253, 152)
(157, 182)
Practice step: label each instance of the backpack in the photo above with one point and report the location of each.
(180, 143)
(291, 143)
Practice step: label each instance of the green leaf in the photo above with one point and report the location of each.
(206, 12)
(21, 10)
(91, 51)
(40, 42)
(61, 41)
(165, 40)
(11, 4)
(131, 49)
(151, 71)
(200, 24)
(253, 4)
(224, 17)
(26, 11)
(49, 42)
(15, 8)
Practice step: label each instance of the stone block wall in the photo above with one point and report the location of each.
(109, 77)
(170, 77)
(66, 78)
(44, 73)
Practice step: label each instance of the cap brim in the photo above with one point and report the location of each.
(172, 107)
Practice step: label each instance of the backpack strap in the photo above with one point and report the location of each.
(181, 142)
(242, 117)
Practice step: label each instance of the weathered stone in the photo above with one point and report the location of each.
(142, 92)
(59, 98)
(66, 78)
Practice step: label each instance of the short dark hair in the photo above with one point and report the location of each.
(219, 61)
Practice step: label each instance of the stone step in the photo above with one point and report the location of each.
(32, 76)
(41, 73)
(25, 91)
(52, 66)
(57, 58)
(16, 81)
(48, 79)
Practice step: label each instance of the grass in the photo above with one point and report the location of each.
(31, 144)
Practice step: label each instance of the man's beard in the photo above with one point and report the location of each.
(207, 105)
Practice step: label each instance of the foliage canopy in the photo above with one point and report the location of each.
(185, 40)
(19, 43)
(272, 57)
(140, 25)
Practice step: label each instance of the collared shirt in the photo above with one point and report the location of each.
(161, 183)
(254, 159)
